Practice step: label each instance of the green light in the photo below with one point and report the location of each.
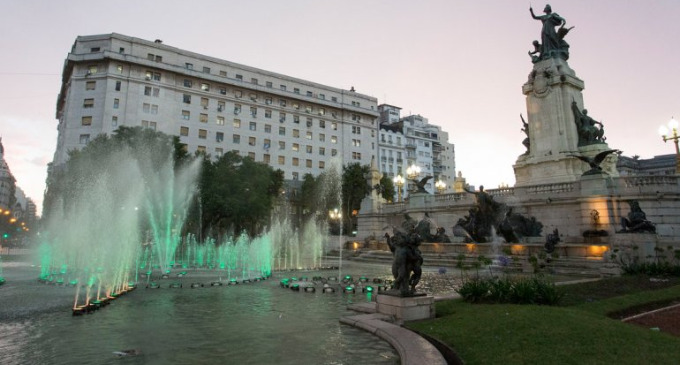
(74, 282)
(6, 235)
(369, 289)
(349, 288)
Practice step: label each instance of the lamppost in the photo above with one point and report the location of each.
(335, 214)
(440, 185)
(399, 182)
(413, 171)
(663, 131)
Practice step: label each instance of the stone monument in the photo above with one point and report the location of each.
(557, 126)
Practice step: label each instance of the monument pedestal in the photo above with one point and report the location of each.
(405, 309)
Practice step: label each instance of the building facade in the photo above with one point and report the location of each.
(7, 182)
(412, 140)
(213, 105)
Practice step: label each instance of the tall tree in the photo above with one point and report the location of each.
(354, 189)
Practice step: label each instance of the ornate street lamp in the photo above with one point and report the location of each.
(663, 131)
(413, 171)
(440, 185)
(399, 182)
(335, 214)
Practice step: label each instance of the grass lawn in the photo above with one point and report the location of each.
(579, 332)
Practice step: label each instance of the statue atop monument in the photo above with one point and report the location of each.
(552, 43)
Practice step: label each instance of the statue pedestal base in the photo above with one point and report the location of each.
(405, 309)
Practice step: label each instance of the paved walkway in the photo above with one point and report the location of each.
(412, 349)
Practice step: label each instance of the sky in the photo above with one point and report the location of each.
(459, 63)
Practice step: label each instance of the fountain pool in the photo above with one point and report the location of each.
(256, 323)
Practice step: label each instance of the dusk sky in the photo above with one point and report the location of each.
(461, 64)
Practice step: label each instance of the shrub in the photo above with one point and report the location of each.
(475, 290)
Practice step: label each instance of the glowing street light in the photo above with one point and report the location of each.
(663, 131)
(413, 171)
(399, 182)
(440, 185)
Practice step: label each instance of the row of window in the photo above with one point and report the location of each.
(219, 137)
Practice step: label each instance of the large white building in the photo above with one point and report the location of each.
(214, 105)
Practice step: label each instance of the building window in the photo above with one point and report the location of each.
(253, 112)
(296, 90)
(219, 137)
(114, 121)
(296, 147)
(308, 108)
(356, 155)
(267, 143)
(251, 141)
(205, 87)
(308, 164)
(322, 96)
(221, 106)
(356, 130)
(239, 77)
(295, 176)
(223, 73)
(322, 151)
(90, 85)
(282, 131)
(357, 143)
(251, 155)
(282, 160)
(322, 165)
(296, 106)
(268, 101)
(309, 122)
(206, 70)
(322, 124)
(322, 137)
(296, 119)
(203, 118)
(283, 87)
(322, 111)
(296, 133)
(334, 152)
(282, 145)
(282, 102)
(267, 128)
(88, 103)
(252, 126)
(184, 131)
(334, 139)
(334, 126)
(94, 49)
(116, 103)
(219, 151)
(220, 120)
(253, 81)
(118, 85)
(223, 90)
(237, 109)
(187, 83)
(92, 69)
(186, 98)
(200, 149)
(236, 139)
(269, 84)
(86, 120)
(309, 93)
(308, 135)
(282, 117)
(268, 113)
(186, 115)
(189, 66)
(237, 123)
(155, 76)
(296, 161)
(205, 102)
(334, 99)
(308, 148)
(84, 138)
(266, 158)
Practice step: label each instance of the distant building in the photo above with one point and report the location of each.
(658, 165)
(7, 182)
(213, 105)
(404, 141)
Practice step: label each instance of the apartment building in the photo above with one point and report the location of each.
(412, 140)
(213, 105)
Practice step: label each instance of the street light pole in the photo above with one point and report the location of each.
(440, 185)
(335, 214)
(663, 131)
(399, 182)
